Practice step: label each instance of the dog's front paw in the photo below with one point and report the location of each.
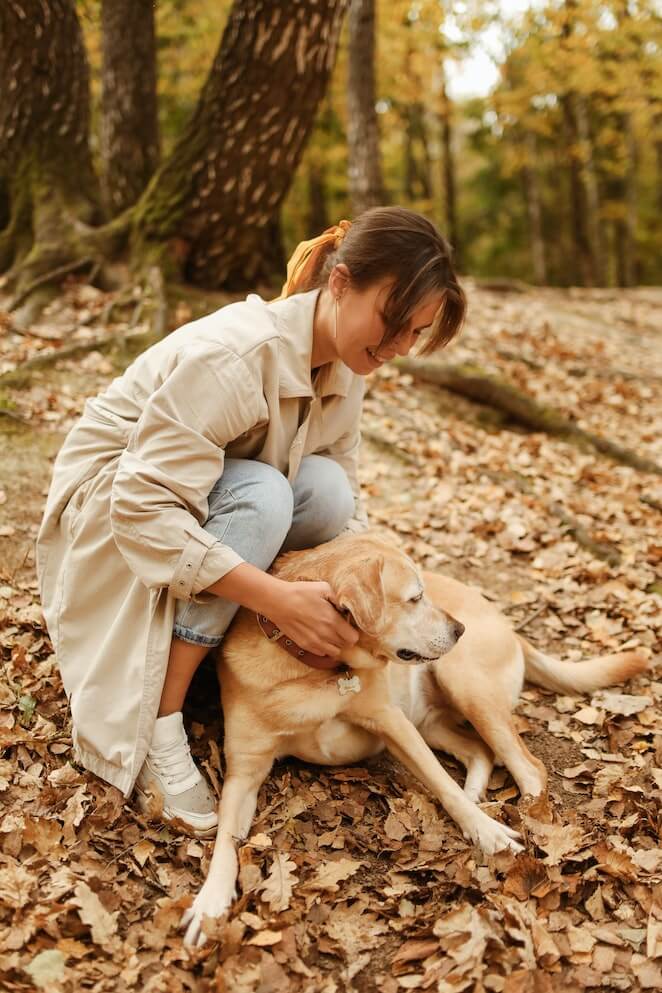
(208, 903)
(493, 836)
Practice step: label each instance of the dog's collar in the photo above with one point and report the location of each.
(273, 633)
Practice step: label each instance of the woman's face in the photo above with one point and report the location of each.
(361, 326)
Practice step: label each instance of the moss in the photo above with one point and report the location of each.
(6, 402)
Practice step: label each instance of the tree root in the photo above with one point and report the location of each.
(151, 305)
(474, 383)
(47, 277)
(20, 376)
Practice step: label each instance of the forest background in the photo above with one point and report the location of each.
(158, 161)
(555, 176)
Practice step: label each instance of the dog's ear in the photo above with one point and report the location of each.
(361, 591)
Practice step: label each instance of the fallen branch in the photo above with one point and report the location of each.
(477, 385)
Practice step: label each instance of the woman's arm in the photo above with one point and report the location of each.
(173, 458)
(302, 610)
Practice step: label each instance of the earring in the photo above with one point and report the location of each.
(335, 320)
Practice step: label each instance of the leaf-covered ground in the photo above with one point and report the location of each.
(354, 878)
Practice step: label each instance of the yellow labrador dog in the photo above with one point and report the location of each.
(427, 658)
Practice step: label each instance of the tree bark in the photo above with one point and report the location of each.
(207, 210)
(129, 121)
(44, 119)
(366, 187)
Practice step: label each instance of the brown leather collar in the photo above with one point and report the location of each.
(272, 633)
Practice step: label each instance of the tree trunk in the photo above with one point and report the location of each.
(591, 186)
(366, 188)
(448, 175)
(585, 264)
(207, 210)
(418, 180)
(44, 121)
(534, 210)
(585, 273)
(129, 121)
(625, 190)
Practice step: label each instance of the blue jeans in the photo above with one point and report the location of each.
(254, 509)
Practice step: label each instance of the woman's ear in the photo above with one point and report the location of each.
(339, 279)
(361, 591)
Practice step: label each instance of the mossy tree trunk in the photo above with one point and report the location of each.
(48, 178)
(129, 113)
(207, 214)
(210, 214)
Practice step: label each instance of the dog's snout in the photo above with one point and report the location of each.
(458, 629)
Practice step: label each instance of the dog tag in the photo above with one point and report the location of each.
(346, 686)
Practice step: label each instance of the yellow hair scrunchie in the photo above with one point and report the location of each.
(306, 256)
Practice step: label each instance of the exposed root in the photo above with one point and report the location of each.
(477, 385)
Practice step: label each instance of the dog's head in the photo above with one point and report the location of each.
(381, 588)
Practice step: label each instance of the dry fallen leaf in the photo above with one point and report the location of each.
(277, 888)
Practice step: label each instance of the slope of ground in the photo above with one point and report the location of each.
(379, 890)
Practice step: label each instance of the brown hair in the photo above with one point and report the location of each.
(397, 242)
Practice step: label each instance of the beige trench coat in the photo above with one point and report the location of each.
(122, 534)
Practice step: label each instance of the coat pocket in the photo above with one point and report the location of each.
(71, 515)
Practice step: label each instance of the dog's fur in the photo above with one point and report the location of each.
(410, 702)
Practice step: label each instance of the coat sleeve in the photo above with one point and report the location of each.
(173, 458)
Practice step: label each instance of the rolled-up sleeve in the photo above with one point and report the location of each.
(173, 458)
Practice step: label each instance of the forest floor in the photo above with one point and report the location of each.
(380, 890)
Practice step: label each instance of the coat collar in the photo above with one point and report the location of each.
(294, 320)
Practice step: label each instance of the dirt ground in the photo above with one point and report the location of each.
(354, 878)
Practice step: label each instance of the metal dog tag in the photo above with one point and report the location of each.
(352, 685)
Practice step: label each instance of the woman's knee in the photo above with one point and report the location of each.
(323, 496)
(256, 494)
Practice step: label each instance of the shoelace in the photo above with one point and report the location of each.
(173, 760)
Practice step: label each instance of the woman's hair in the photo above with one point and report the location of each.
(399, 243)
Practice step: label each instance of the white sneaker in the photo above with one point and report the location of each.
(169, 772)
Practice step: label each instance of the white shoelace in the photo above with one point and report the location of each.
(173, 761)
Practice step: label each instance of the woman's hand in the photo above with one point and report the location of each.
(304, 612)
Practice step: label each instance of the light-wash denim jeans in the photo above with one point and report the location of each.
(254, 509)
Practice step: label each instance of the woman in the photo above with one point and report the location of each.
(230, 440)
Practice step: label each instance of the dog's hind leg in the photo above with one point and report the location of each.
(499, 731)
(404, 741)
(464, 745)
(245, 773)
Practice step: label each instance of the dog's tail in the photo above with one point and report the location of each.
(584, 676)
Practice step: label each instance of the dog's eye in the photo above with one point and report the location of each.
(415, 599)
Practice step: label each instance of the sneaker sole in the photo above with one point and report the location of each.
(176, 820)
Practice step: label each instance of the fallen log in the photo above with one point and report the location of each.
(476, 384)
